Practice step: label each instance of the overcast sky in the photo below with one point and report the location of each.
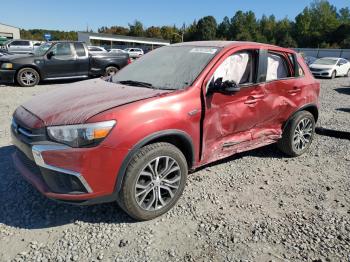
(77, 14)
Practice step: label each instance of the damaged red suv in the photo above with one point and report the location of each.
(133, 137)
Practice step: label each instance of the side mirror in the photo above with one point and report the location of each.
(226, 87)
(50, 54)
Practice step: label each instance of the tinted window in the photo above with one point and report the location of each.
(277, 67)
(62, 49)
(94, 49)
(79, 49)
(25, 43)
(15, 43)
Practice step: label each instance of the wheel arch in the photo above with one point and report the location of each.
(30, 66)
(112, 64)
(312, 108)
(177, 138)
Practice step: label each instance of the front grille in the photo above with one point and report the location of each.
(27, 134)
(316, 69)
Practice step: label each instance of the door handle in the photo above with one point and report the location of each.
(295, 90)
(258, 96)
(251, 100)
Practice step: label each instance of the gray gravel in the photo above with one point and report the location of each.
(255, 206)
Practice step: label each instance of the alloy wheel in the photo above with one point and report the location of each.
(28, 78)
(303, 134)
(157, 183)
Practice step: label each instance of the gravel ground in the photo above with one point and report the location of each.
(255, 206)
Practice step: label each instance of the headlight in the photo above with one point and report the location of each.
(7, 66)
(81, 135)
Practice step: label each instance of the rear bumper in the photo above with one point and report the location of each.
(7, 76)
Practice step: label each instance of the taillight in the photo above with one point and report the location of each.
(129, 60)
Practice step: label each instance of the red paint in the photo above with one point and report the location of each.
(251, 118)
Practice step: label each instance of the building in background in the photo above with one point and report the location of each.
(109, 41)
(9, 32)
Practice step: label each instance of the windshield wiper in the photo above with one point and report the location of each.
(136, 83)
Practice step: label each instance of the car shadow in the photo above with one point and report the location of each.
(343, 90)
(346, 110)
(24, 207)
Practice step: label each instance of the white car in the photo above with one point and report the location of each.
(95, 50)
(134, 52)
(118, 51)
(330, 67)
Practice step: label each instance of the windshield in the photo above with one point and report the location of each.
(171, 67)
(41, 50)
(325, 61)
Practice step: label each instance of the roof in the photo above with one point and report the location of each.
(9, 25)
(124, 37)
(223, 44)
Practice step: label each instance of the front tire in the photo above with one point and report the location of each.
(28, 77)
(348, 73)
(154, 181)
(298, 134)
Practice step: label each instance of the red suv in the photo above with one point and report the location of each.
(133, 137)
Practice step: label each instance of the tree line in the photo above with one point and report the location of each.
(318, 25)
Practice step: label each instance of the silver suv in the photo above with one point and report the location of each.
(21, 46)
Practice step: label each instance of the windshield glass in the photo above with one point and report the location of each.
(325, 61)
(171, 67)
(41, 50)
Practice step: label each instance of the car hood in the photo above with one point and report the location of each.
(321, 66)
(76, 103)
(12, 57)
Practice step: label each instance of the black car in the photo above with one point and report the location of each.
(58, 60)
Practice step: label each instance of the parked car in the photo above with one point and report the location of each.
(134, 52)
(97, 50)
(21, 46)
(3, 52)
(58, 60)
(133, 138)
(309, 60)
(113, 50)
(330, 67)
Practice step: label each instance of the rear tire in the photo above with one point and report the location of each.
(154, 181)
(348, 73)
(111, 71)
(28, 77)
(298, 134)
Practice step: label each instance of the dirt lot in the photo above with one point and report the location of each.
(255, 206)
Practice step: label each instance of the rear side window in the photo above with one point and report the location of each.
(62, 49)
(79, 49)
(277, 67)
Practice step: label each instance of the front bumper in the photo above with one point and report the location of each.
(7, 76)
(73, 175)
(323, 73)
